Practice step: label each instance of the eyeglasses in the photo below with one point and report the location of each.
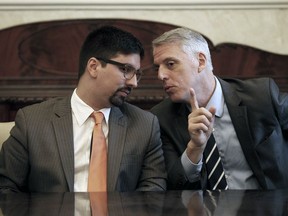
(126, 69)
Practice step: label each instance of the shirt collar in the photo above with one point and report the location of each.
(82, 111)
(217, 100)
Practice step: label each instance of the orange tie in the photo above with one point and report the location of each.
(99, 203)
(97, 180)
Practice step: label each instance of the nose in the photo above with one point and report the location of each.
(162, 75)
(132, 82)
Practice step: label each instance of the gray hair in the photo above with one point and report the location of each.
(191, 41)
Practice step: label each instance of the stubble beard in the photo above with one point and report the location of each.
(117, 100)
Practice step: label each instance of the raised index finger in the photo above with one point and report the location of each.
(193, 100)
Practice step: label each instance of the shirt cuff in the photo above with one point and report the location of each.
(191, 169)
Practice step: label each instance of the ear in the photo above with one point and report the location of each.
(92, 66)
(202, 61)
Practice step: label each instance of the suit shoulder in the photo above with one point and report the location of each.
(131, 109)
(252, 87)
(249, 83)
(46, 110)
(165, 106)
(45, 104)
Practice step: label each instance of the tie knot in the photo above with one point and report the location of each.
(98, 117)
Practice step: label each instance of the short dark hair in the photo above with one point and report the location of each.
(107, 42)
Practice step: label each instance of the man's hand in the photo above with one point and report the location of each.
(200, 126)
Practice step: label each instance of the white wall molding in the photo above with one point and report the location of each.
(140, 4)
(258, 23)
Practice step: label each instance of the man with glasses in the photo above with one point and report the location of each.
(128, 70)
(49, 149)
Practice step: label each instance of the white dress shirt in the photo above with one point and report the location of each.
(83, 126)
(237, 171)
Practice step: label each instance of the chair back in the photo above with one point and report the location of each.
(5, 128)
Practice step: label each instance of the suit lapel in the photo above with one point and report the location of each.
(116, 141)
(239, 118)
(63, 129)
(181, 125)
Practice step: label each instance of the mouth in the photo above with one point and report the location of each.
(168, 88)
(124, 92)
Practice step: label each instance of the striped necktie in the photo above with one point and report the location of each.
(215, 173)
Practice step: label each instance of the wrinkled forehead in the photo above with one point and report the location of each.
(166, 51)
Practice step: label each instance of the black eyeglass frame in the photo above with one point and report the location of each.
(123, 68)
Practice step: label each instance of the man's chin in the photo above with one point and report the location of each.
(117, 100)
(175, 99)
(172, 97)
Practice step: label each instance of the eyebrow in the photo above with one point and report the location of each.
(170, 59)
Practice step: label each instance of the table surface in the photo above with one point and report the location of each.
(198, 203)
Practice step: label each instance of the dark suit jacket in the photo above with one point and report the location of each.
(39, 155)
(259, 113)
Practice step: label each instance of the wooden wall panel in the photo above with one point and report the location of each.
(40, 61)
